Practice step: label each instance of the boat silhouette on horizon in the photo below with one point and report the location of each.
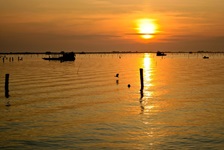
(205, 57)
(65, 57)
(160, 53)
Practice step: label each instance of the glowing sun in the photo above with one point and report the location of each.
(146, 28)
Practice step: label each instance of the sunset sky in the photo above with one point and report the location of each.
(111, 25)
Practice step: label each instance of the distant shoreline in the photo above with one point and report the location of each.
(113, 52)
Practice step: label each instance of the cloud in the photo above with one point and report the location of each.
(141, 34)
(86, 23)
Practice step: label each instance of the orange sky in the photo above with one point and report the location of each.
(110, 25)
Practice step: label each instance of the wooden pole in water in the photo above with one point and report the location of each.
(141, 79)
(7, 85)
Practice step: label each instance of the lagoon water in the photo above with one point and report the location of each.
(82, 105)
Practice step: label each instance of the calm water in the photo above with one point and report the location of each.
(81, 105)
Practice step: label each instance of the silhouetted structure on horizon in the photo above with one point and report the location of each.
(205, 57)
(160, 53)
(66, 57)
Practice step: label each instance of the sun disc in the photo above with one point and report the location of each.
(147, 36)
(146, 28)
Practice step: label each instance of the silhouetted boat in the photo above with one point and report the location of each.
(160, 53)
(65, 57)
(205, 57)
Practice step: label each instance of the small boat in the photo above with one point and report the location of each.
(66, 57)
(205, 57)
(160, 53)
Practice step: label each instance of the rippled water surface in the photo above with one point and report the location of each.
(82, 105)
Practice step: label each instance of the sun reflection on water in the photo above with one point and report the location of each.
(147, 63)
(146, 104)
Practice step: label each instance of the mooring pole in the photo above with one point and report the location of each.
(141, 79)
(7, 85)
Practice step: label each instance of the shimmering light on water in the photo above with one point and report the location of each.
(82, 105)
(148, 75)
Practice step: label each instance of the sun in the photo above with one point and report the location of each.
(146, 28)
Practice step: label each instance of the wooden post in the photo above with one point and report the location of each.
(7, 85)
(141, 79)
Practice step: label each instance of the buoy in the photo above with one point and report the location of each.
(129, 85)
(8, 104)
(117, 75)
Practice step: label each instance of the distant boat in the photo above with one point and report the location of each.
(205, 57)
(160, 53)
(66, 57)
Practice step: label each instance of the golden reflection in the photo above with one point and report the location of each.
(145, 106)
(147, 63)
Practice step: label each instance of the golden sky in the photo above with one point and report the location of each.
(111, 25)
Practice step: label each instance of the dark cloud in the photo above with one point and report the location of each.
(105, 24)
